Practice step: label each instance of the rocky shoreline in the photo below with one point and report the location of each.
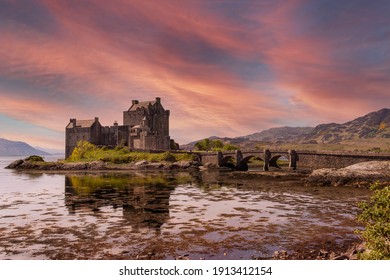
(356, 175)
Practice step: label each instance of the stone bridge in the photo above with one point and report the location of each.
(305, 159)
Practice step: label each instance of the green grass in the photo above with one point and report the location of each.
(34, 159)
(86, 151)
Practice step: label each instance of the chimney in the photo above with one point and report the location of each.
(115, 123)
(134, 102)
(158, 100)
(73, 121)
(96, 119)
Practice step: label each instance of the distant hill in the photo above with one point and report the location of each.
(373, 127)
(280, 134)
(17, 148)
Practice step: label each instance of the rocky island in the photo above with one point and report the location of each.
(37, 163)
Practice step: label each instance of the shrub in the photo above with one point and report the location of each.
(86, 151)
(230, 147)
(214, 145)
(203, 145)
(167, 156)
(83, 150)
(375, 149)
(376, 217)
(34, 158)
(185, 156)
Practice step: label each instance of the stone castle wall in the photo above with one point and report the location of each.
(115, 135)
(150, 118)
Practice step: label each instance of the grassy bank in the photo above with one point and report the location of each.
(86, 151)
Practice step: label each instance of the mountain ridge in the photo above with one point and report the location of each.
(372, 127)
(18, 148)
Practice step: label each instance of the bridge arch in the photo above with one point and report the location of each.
(274, 161)
(228, 161)
(246, 159)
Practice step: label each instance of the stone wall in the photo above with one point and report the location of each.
(133, 118)
(209, 158)
(307, 159)
(74, 135)
(316, 160)
(151, 142)
(115, 135)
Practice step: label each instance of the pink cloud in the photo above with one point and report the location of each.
(222, 74)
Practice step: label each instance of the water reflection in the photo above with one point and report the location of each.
(142, 198)
(151, 215)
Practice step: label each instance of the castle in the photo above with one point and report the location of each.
(145, 127)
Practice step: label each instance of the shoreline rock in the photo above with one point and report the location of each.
(351, 253)
(358, 175)
(25, 164)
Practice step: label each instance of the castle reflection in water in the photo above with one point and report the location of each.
(143, 200)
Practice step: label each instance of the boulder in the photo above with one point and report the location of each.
(360, 174)
(15, 164)
(141, 162)
(97, 165)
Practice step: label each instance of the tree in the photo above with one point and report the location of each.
(214, 145)
(203, 145)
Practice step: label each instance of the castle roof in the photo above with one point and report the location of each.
(82, 123)
(143, 104)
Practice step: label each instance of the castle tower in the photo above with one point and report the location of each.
(154, 118)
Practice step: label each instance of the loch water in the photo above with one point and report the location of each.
(169, 215)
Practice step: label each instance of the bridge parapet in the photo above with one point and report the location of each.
(333, 159)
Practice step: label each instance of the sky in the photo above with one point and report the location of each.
(224, 67)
